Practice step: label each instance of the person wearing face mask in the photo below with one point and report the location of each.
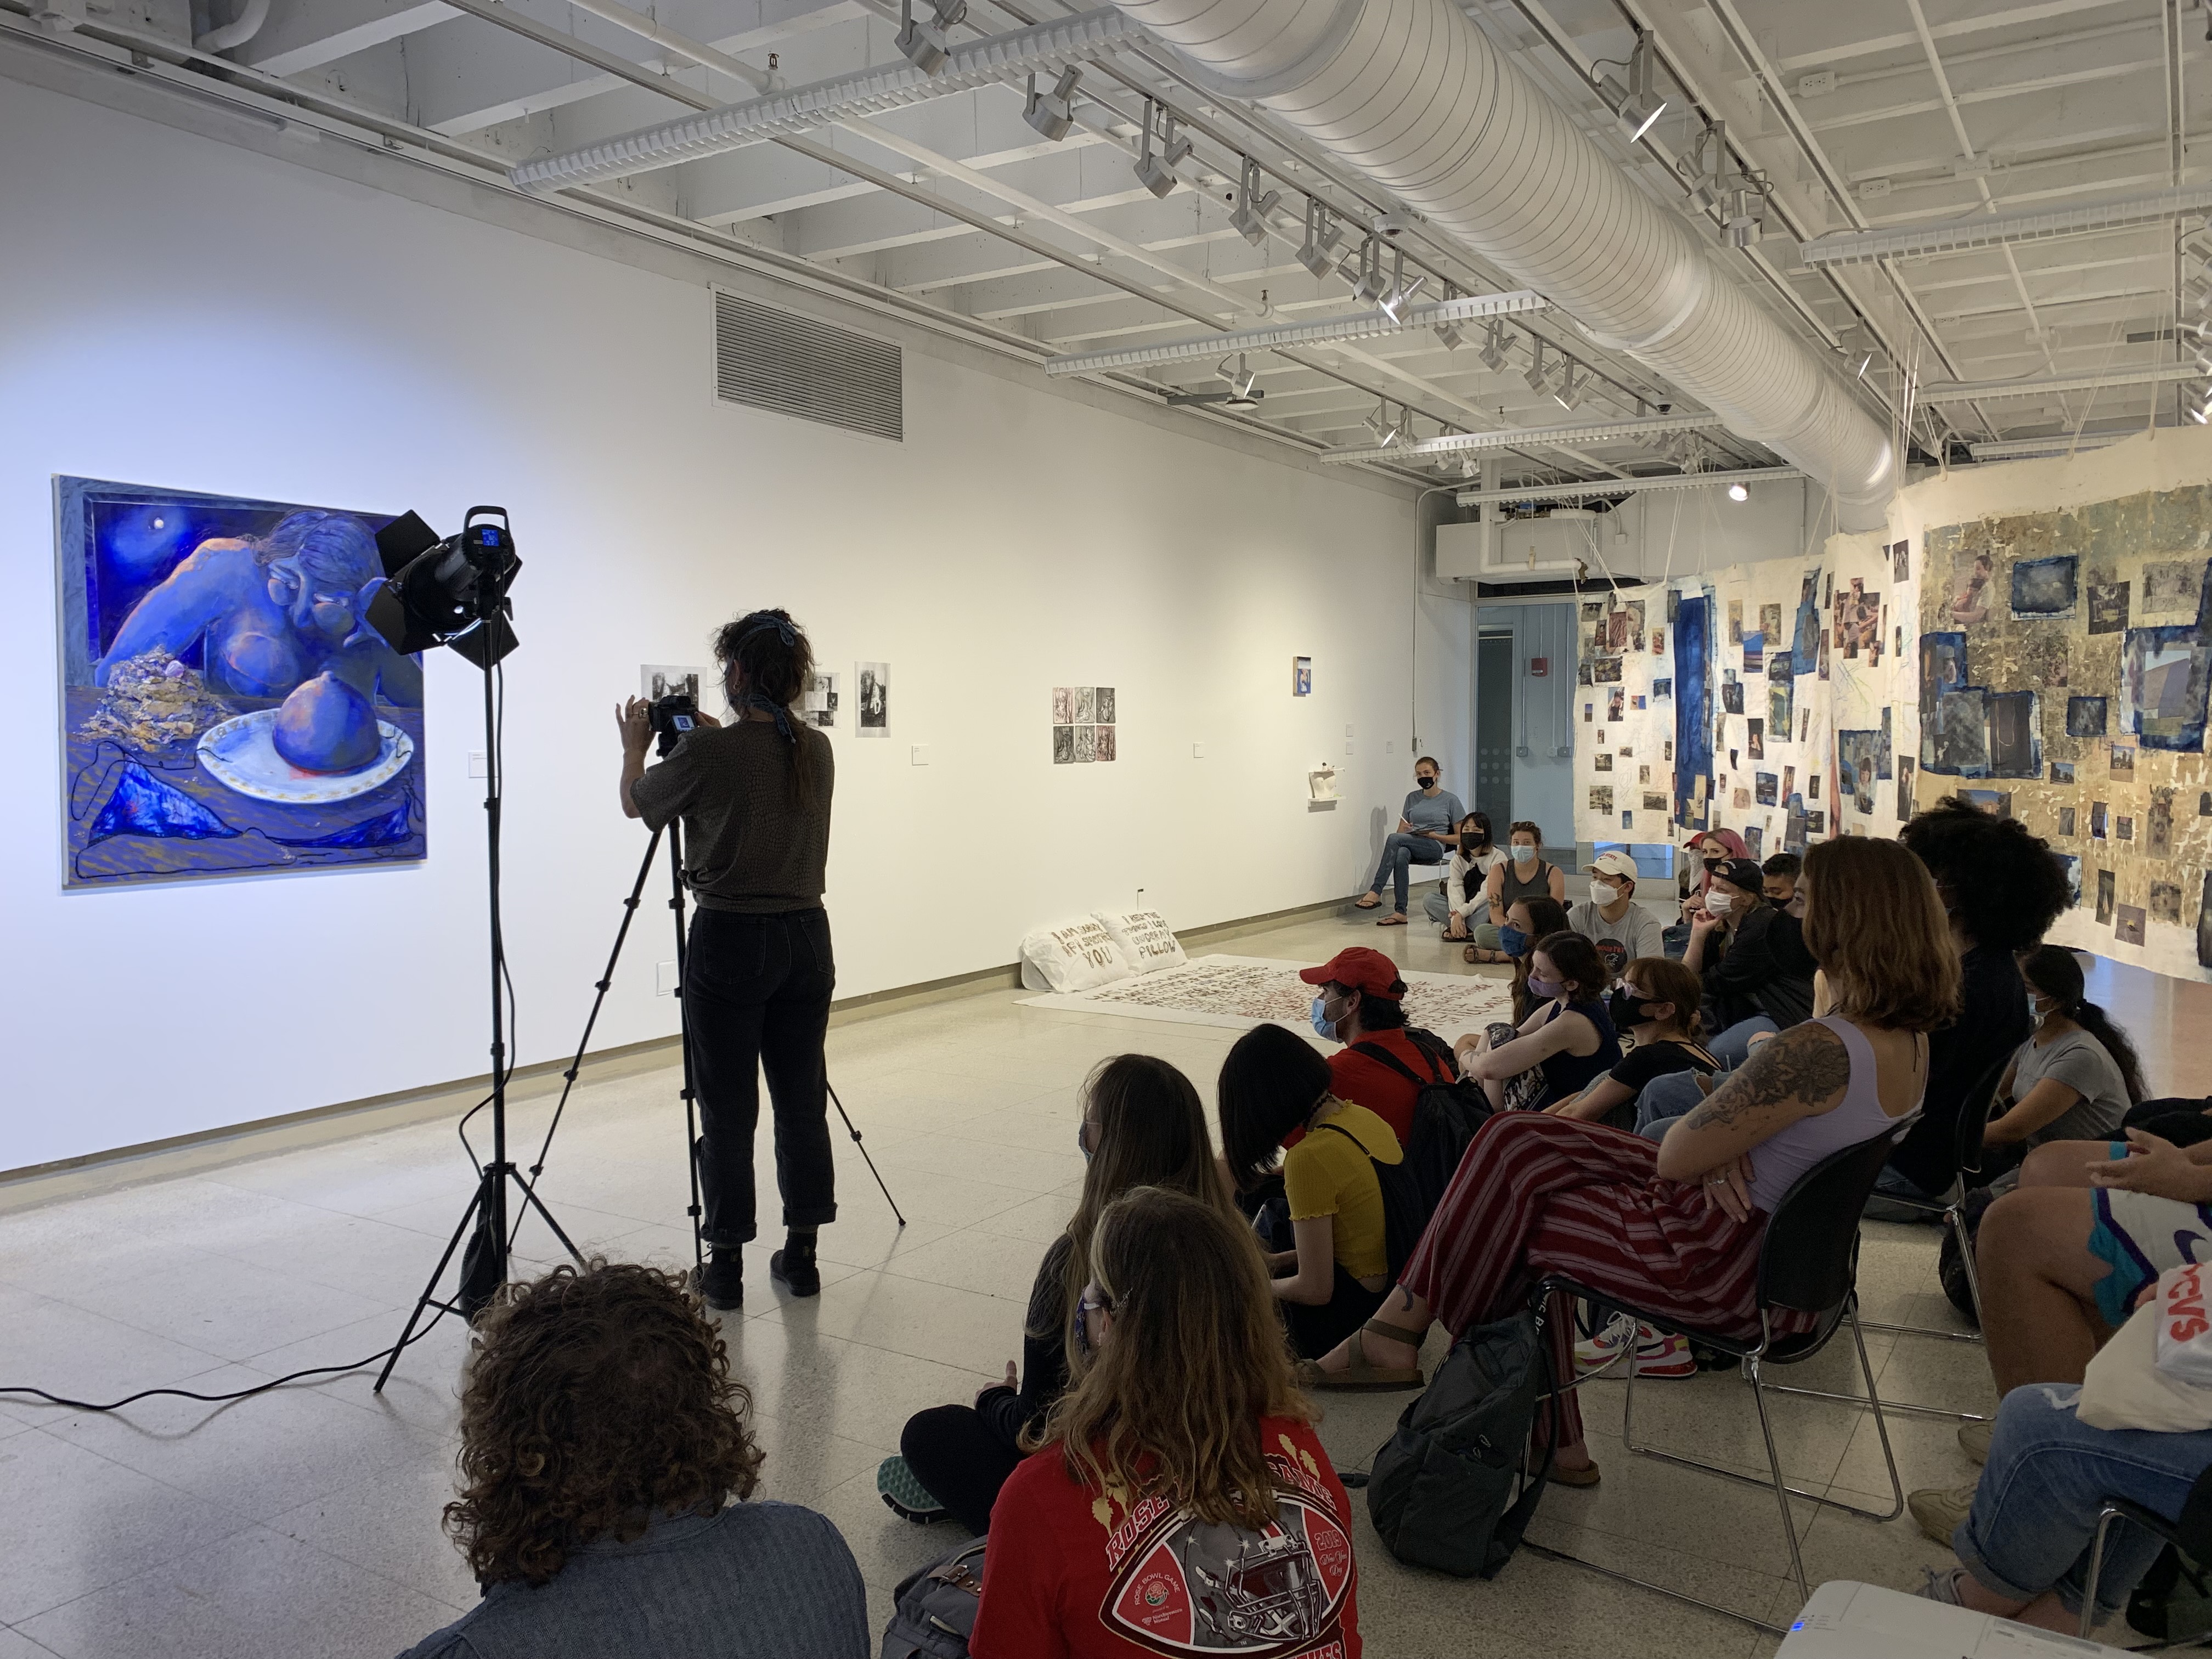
(1702, 854)
(1611, 919)
(2074, 1079)
(1780, 884)
(1359, 1000)
(1462, 906)
(1750, 955)
(1569, 1037)
(1142, 1126)
(1523, 874)
(1425, 832)
(1526, 921)
(1656, 1004)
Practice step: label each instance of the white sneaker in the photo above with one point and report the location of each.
(1657, 1356)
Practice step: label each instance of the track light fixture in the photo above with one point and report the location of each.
(1538, 377)
(1567, 393)
(1493, 348)
(1243, 391)
(1156, 169)
(1363, 271)
(1633, 99)
(1249, 217)
(1722, 185)
(926, 45)
(1738, 493)
(1448, 331)
(1386, 431)
(1318, 251)
(1053, 113)
(1401, 293)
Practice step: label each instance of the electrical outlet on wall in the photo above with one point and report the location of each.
(919, 753)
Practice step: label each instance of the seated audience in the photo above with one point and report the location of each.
(1780, 885)
(1610, 917)
(2002, 889)
(1463, 905)
(1700, 855)
(1142, 1126)
(1426, 826)
(2026, 1539)
(1360, 1002)
(1567, 1037)
(1677, 1228)
(1335, 1272)
(1655, 1004)
(1184, 1448)
(1523, 874)
(2073, 1080)
(606, 1458)
(1526, 921)
(1750, 955)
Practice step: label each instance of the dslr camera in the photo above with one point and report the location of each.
(672, 716)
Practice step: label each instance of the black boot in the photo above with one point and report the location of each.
(793, 1267)
(722, 1281)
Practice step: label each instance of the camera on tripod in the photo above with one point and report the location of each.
(672, 716)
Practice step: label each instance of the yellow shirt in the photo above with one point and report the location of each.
(1332, 1175)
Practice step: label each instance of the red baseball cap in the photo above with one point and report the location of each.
(1357, 968)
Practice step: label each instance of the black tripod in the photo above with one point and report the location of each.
(483, 1266)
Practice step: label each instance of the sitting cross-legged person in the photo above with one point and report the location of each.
(1179, 1500)
(2075, 1079)
(1655, 1004)
(1566, 1038)
(1676, 1229)
(603, 1445)
(1142, 1126)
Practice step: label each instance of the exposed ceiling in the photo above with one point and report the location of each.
(1871, 114)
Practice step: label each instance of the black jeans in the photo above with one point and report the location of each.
(757, 996)
(954, 1453)
(1316, 1330)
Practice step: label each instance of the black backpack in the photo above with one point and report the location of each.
(1442, 1491)
(935, 1606)
(1446, 1111)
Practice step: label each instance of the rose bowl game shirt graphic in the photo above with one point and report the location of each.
(1071, 1572)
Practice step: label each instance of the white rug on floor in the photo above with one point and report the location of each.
(1240, 991)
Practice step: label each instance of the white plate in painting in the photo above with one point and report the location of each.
(241, 754)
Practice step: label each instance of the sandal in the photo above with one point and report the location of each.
(1368, 901)
(1396, 919)
(1469, 955)
(1361, 1376)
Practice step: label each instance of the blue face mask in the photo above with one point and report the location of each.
(1510, 940)
(1523, 854)
(1323, 1026)
(1081, 1144)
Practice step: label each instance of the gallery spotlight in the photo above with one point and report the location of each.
(1633, 100)
(1448, 331)
(1053, 113)
(1156, 169)
(1244, 389)
(1493, 348)
(1568, 393)
(1386, 431)
(1738, 493)
(1401, 293)
(1249, 217)
(450, 592)
(926, 45)
(1363, 271)
(1538, 377)
(1318, 253)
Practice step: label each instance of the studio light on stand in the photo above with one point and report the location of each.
(454, 593)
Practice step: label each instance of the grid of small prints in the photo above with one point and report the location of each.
(1082, 724)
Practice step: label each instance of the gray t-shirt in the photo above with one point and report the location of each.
(751, 843)
(1638, 931)
(1440, 810)
(2078, 1061)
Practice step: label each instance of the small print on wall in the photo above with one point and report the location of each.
(1302, 677)
(874, 681)
(1083, 726)
(656, 680)
(819, 704)
(226, 707)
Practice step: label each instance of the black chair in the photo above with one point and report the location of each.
(2192, 1535)
(1807, 1264)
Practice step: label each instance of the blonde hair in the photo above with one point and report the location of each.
(1170, 1405)
(1875, 924)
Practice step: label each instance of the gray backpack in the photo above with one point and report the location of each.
(1442, 1491)
(935, 1610)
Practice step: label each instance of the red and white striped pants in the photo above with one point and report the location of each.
(1537, 1194)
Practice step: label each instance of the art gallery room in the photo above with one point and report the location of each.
(1283, 828)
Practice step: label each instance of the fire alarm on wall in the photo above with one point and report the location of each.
(1539, 667)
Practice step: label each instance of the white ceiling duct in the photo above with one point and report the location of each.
(1413, 94)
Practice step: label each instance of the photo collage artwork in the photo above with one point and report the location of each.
(1083, 725)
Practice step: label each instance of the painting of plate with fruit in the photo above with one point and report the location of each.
(240, 754)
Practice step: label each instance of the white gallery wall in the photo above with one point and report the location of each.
(185, 313)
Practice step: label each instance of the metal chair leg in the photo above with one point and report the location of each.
(1874, 1403)
(1774, 1468)
(2106, 1516)
(1957, 1218)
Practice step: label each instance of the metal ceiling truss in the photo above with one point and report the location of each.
(1607, 488)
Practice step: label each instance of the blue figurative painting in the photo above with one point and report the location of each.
(1693, 747)
(2163, 679)
(227, 709)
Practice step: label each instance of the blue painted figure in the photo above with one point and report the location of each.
(276, 613)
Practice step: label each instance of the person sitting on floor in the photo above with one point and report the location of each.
(1676, 1229)
(1359, 1001)
(1567, 1039)
(1463, 906)
(1610, 917)
(2074, 1079)
(1523, 874)
(1528, 920)
(2025, 1543)
(1185, 1450)
(1750, 953)
(1780, 885)
(1331, 1272)
(1655, 1004)
(603, 1444)
(1426, 826)
(2002, 889)
(1142, 1126)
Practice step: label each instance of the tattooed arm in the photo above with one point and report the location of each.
(1800, 1074)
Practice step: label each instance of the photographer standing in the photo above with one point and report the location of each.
(754, 796)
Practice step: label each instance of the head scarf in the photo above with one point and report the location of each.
(752, 699)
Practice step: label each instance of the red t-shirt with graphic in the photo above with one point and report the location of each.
(1072, 1575)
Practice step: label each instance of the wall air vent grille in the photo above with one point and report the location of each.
(792, 365)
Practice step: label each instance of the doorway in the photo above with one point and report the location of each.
(1494, 680)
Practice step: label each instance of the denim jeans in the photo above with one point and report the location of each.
(1480, 932)
(1400, 854)
(756, 998)
(2035, 1511)
(1733, 1047)
(1664, 1099)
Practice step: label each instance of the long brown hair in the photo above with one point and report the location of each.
(594, 1399)
(1875, 924)
(1546, 917)
(1152, 1133)
(772, 655)
(1170, 1406)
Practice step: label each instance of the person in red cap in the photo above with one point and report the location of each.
(1360, 1001)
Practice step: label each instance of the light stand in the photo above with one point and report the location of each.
(454, 593)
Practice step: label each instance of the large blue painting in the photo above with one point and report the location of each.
(227, 709)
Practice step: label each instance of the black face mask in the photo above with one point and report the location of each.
(1425, 781)
(1626, 1011)
(1713, 865)
(1471, 842)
